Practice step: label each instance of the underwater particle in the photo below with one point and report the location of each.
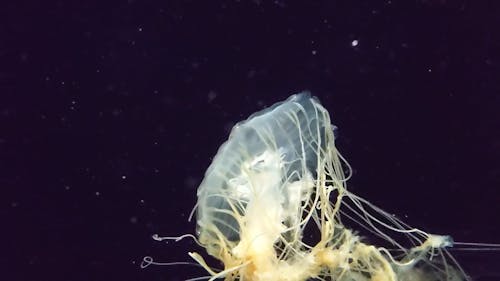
(278, 181)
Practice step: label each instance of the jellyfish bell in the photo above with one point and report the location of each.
(254, 194)
(273, 205)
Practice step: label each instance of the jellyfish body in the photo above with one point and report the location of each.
(278, 182)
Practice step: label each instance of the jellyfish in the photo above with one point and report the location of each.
(274, 203)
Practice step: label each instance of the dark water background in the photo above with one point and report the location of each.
(112, 110)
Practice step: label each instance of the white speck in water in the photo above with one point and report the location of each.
(134, 220)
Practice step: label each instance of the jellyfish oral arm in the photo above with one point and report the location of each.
(262, 224)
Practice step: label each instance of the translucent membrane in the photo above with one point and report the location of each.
(273, 202)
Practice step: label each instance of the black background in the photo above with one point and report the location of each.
(111, 111)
